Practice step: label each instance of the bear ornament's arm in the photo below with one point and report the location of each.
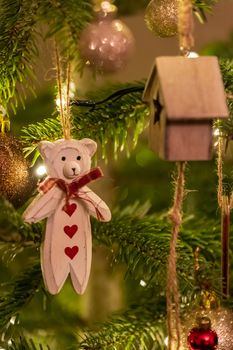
(93, 202)
(43, 205)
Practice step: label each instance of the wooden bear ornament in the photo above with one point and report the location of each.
(185, 95)
(67, 203)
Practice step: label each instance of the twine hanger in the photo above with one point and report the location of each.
(64, 98)
(186, 43)
(225, 203)
(172, 292)
(185, 26)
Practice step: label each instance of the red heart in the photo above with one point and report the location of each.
(71, 252)
(69, 208)
(70, 230)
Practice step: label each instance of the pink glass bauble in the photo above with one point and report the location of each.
(107, 43)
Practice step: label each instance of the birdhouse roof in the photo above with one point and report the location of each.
(189, 88)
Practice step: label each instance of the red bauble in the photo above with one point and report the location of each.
(203, 337)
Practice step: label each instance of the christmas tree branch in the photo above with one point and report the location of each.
(17, 46)
(108, 123)
(66, 20)
(23, 343)
(226, 126)
(202, 7)
(18, 19)
(16, 294)
(140, 241)
(14, 230)
(141, 327)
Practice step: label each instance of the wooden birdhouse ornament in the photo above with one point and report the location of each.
(185, 95)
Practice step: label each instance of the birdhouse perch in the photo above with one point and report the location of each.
(185, 95)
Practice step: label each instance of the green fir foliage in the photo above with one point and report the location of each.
(141, 327)
(136, 238)
(17, 46)
(226, 126)
(19, 22)
(66, 20)
(140, 241)
(13, 229)
(203, 7)
(23, 343)
(109, 123)
(18, 292)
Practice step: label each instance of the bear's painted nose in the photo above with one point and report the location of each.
(71, 169)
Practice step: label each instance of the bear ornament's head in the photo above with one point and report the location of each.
(67, 159)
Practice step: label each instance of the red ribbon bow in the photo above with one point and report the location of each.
(72, 189)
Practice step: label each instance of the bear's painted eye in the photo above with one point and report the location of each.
(63, 158)
(78, 157)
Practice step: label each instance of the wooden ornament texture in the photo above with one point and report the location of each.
(185, 95)
(67, 247)
(199, 136)
(192, 88)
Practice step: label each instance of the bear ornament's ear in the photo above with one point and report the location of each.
(45, 148)
(90, 145)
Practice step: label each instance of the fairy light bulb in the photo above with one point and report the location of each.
(142, 283)
(41, 170)
(63, 100)
(58, 102)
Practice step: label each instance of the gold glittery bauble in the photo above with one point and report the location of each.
(221, 323)
(15, 179)
(161, 17)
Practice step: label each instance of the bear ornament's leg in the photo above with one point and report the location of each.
(79, 278)
(55, 266)
(80, 266)
(47, 271)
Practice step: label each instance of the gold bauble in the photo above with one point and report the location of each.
(221, 322)
(16, 181)
(161, 17)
